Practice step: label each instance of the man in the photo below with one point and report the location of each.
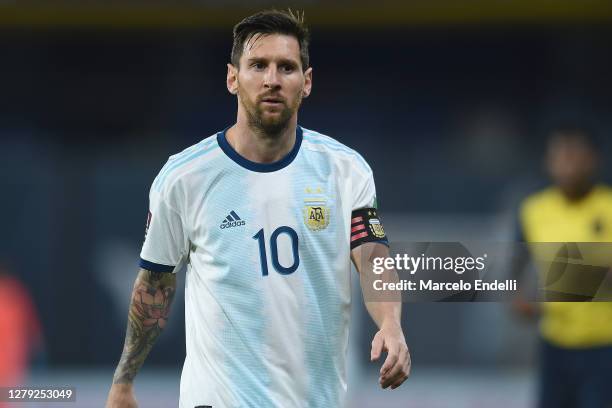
(266, 215)
(20, 328)
(576, 355)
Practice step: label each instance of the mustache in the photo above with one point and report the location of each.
(271, 96)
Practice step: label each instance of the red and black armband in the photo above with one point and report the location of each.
(366, 227)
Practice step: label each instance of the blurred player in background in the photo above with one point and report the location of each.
(576, 349)
(266, 215)
(20, 332)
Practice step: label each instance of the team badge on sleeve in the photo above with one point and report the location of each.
(376, 228)
(366, 227)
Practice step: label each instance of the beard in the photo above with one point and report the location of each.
(270, 125)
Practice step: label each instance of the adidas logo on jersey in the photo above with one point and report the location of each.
(232, 220)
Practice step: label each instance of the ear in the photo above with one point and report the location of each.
(307, 82)
(232, 79)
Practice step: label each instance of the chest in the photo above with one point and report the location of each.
(562, 224)
(312, 205)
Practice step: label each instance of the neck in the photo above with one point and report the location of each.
(256, 145)
(578, 193)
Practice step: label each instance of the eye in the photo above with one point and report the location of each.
(259, 66)
(287, 68)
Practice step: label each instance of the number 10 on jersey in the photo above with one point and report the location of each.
(263, 258)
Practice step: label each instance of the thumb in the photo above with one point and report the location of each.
(377, 346)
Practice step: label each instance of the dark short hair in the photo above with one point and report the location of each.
(578, 131)
(271, 22)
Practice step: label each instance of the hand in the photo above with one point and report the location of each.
(121, 396)
(524, 309)
(396, 367)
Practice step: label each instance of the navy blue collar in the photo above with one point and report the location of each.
(260, 167)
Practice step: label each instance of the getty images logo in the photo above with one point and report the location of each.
(232, 220)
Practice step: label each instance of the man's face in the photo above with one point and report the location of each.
(571, 162)
(270, 82)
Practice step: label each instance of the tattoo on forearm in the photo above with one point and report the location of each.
(151, 299)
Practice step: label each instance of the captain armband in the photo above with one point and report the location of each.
(366, 227)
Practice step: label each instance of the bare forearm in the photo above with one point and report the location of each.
(384, 308)
(385, 313)
(149, 309)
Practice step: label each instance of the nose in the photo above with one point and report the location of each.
(271, 78)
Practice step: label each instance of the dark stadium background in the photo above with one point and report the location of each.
(449, 105)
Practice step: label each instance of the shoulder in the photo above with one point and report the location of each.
(180, 165)
(540, 200)
(319, 143)
(604, 192)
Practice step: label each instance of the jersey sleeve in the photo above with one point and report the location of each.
(364, 190)
(166, 244)
(366, 225)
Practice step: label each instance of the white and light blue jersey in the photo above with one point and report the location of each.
(267, 248)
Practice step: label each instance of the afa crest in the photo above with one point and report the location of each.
(316, 212)
(375, 225)
(377, 228)
(316, 217)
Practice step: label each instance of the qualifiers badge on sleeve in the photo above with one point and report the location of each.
(149, 216)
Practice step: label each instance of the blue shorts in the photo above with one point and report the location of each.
(575, 378)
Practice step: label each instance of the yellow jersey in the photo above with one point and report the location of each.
(548, 216)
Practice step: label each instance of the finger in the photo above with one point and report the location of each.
(404, 373)
(392, 357)
(408, 364)
(377, 347)
(399, 382)
(396, 372)
(389, 381)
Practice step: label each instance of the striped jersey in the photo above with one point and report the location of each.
(267, 250)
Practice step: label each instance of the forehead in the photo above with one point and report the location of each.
(271, 47)
(569, 142)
